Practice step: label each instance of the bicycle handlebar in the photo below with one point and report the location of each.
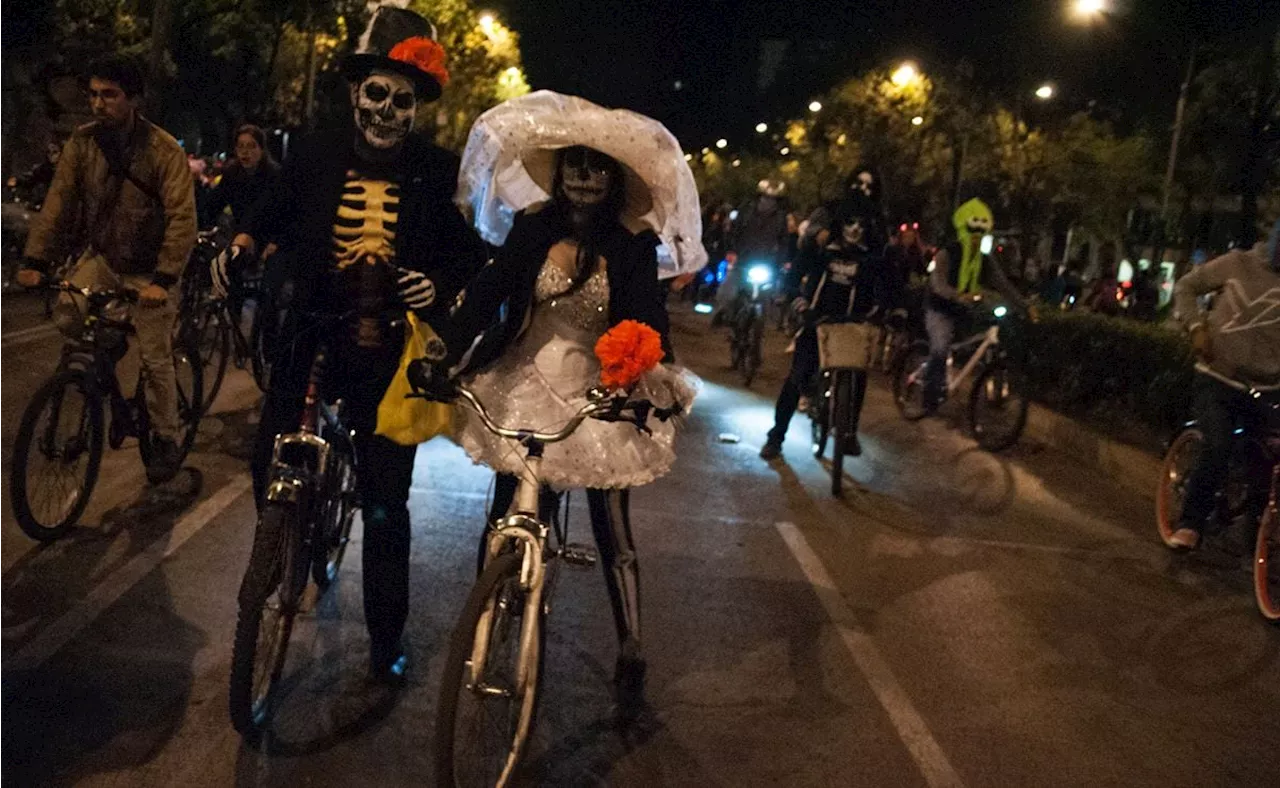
(101, 295)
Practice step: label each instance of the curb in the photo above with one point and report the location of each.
(1132, 468)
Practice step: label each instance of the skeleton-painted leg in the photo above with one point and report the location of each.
(611, 524)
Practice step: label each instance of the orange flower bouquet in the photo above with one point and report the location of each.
(626, 352)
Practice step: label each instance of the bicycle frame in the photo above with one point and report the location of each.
(988, 339)
(300, 460)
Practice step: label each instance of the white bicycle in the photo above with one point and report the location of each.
(493, 672)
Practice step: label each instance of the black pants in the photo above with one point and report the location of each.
(802, 378)
(611, 526)
(1218, 410)
(383, 476)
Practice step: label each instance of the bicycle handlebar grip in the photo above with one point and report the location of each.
(431, 381)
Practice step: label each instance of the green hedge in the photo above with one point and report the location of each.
(1110, 370)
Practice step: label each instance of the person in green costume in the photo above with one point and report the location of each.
(958, 275)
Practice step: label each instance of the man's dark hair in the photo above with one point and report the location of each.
(122, 70)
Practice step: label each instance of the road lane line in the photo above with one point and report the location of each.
(54, 637)
(911, 727)
(27, 335)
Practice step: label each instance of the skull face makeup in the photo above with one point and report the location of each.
(384, 106)
(852, 233)
(586, 176)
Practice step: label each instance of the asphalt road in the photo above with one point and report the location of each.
(957, 619)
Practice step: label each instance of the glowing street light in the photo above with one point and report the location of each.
(1086, 11)
(722, 143)
(737, 162)
(1044, 92)
(487, 21)
(918, 120)
(688, 157)
(785, 151)
(761, 128)
(705, 151)
(905, 74)
(815, 106)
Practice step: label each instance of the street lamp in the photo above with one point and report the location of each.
(1044, 92)
(761, 128)
(737, 162)
(1088, 10)
(904, 74)
(688, 157)
(918, 120)
(486, 22)
(722, 143)
(705, 151)
(815, 106)
(785, 151)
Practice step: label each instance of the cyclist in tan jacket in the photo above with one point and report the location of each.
(123, 202)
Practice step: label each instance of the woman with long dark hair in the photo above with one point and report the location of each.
(566, 273)
(245, 180)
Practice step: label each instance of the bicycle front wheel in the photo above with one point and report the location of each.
(841, 392)
(998, 407)
(754, 353)
(1266, 564)
(909, 382)
(210, 337)
(56, 456)
(269, 599)
(485, 715)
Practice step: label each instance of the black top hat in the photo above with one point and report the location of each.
(401, 41)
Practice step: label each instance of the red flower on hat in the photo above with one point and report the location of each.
(423, 54)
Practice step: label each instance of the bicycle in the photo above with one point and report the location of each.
(998, 402)
(1253, 467)
(302, 532)
(844, 350)
(58, 450)
(495, 655)
(215, 323)
(746, 333)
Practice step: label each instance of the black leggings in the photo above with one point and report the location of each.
(611, 526)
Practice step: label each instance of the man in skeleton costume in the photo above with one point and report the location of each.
(365, 223)
(958, 275)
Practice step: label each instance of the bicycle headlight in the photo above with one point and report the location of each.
(759, 274)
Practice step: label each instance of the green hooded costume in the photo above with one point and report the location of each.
(971, 218)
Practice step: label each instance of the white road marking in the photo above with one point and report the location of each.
(911, 727)
(27, 335)
(54, 637)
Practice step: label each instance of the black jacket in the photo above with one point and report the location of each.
(846, 284)
(509, 280)
(431, 234)
(240, 189)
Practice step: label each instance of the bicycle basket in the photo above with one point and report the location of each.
(846, 345)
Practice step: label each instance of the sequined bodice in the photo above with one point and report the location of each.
(585, 309)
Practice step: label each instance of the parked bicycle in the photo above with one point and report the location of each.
(493, 672)
(746, 330)
(302, 534)
(844, 351)
(1250, 491)
(998, 402)
(58, 451)
(216, 325)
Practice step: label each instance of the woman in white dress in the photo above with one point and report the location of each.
(566, 273)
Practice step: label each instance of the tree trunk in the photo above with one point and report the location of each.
(161, 19)
(1264, 109)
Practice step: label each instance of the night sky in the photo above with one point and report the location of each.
(630, 53)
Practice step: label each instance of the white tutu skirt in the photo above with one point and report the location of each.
(540, 384)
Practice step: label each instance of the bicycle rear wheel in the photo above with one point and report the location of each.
(56, 455)
(841, 392)
(1266, 564)
(189, 380)
(909, 382)
(211, 336)
(1181, 458)
(334, 531)
(485, 716)
(269, 598)
(998, 407)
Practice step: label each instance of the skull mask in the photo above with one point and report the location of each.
(384, 109)
(586, 176)
(852, 233)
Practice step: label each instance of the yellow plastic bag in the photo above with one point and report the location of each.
(410, 421)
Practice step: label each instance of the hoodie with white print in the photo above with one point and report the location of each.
(1244, 322)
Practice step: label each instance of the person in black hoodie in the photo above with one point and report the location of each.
(846, 282)
(566, 274)
(365, 222)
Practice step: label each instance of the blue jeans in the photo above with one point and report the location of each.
(941, 328)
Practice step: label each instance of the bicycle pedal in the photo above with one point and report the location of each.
(580, 555)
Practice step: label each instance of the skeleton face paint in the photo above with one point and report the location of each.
(853, 232)
(585, 176)
(384, 109)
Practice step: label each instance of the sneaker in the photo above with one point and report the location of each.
(772, 450)
(1185, 539)
(166, 459)
(388, 665)
(628, 680)
(854, 448)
